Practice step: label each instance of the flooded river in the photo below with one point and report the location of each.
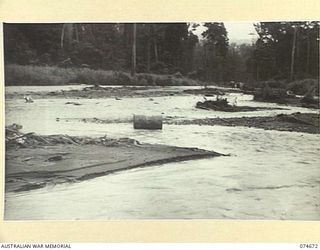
(269, 175)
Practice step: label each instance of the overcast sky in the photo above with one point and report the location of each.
(238, 32)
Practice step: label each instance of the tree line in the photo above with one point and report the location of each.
(286, 50)
(283, 50)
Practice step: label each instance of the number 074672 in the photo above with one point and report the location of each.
(309, 246)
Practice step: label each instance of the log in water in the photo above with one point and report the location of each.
(147, 122)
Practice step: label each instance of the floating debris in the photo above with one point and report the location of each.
(28, 99)
(74, 103)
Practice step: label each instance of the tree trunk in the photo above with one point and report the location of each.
(128, 43)
(205, 62)
(133, 59)
(297, 53)
(66, 35)
(293, 53)
(148, 55)
(69, 32)
(77, 32)
(155, 50)
(62, 35)
(308, 53)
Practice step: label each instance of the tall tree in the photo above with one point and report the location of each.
(216, 47)
(175, 34)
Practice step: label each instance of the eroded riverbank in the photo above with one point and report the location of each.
(296, 122)
(34, 161)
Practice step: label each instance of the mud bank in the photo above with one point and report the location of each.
(34, 161)
(209, 91)
(100, 92)
(296, 122)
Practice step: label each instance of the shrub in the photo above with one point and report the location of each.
(271, 94)
(121, 78)
(186, 83)
(177, 75)
(193, 74)
(143, 82)
(302, 87)
(160, 81)
(147, 77)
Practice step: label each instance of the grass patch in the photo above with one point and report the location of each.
(37, 75)
(51, 75)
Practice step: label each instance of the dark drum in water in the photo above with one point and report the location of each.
(147, 122)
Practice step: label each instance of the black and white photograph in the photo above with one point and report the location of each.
(162, 120)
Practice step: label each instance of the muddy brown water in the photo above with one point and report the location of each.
(269, 175)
